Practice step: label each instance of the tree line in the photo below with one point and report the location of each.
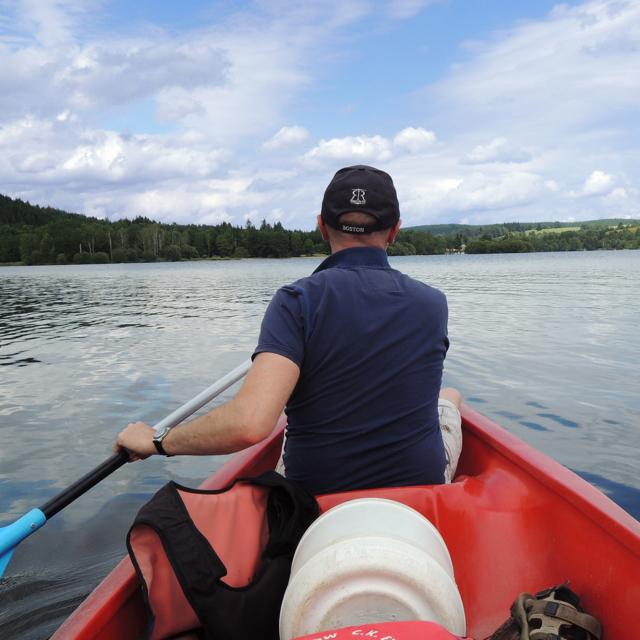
(42, 235)
(31, 234)
(622, 236)
(39, 235)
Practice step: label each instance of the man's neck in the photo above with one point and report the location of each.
(355, 243)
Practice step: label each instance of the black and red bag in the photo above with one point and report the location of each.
(219, 561)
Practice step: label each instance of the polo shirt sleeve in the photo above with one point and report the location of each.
(445, 322)
(282, 329)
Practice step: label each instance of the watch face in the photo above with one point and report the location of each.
(161, 434)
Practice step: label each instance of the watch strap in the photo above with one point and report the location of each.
(159, 446)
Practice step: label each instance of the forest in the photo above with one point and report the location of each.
(30, 234)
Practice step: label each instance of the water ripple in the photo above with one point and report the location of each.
(545, 344)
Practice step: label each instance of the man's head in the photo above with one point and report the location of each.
(360, 208)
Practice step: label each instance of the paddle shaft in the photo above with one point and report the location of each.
(11, 535)
(91, 479)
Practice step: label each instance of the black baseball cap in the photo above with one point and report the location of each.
(361, 188)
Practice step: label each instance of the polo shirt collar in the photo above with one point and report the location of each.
(356, 257)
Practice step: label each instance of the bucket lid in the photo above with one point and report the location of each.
(372, 517)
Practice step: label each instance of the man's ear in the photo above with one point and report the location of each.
(393, 233)
(323, 229)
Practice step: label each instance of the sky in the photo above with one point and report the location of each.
(198, 111)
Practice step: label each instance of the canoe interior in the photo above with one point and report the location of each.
(513, 520)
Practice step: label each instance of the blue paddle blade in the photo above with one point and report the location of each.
(13, 534)
(4, 561)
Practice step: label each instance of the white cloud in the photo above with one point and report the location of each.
(222, 83)
(370, 149)
(362, 149)
(261, 77)
(211, 202)
(475, 192)
(480, 191)
(50, 22)
(618, 194)
(82, 78)
(98, 156)
(560, 94)
(570, 69)
(598, 183)
(118, 72)
(414, 139)
(286, 137)
(498, 150)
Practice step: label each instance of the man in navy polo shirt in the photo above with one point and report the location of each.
(354, 354)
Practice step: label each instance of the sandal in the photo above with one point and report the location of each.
(552, 614)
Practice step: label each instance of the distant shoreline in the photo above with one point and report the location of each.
(316, 255)
(161, 261)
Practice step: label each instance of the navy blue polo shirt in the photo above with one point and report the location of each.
(370, 343)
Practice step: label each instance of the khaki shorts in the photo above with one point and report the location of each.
(451, 427)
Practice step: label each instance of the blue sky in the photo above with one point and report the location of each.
(222, 111)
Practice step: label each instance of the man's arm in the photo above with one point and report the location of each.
(247, 419)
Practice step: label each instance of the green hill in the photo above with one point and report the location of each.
(20, 212)
(44, 235)
(496, 230)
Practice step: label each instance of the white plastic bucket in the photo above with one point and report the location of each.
(370, 560)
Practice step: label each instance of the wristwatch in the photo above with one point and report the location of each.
(158, 438)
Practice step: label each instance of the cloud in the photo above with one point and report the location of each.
(287, 137)
(370, 149)
(618, 194)
(476, 192)
(576, 66)
(560, 94)
(414, 140)
(261, 77)
(206, 90)
(111, 157)
(361, 149)
(498, 150)
(51, 23)
(598, 183)
(84, 78)
(212, 201)
(97, 157)
(119, 72)
(480, 191)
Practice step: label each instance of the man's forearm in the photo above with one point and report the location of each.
(244, 421)
(223, 430)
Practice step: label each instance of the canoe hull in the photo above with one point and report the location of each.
(514, 520)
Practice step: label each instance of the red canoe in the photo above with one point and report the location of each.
(514, 520)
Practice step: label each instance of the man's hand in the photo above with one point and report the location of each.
(137, 439)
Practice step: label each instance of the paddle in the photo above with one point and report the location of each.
(12, 535)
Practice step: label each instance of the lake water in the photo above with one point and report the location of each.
(548, 345)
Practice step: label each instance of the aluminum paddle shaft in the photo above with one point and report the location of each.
(11, 535)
